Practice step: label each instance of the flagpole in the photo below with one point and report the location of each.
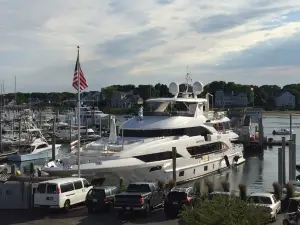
(78, 106)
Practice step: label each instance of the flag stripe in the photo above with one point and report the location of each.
(83, 83)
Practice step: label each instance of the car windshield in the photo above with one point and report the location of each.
(260, 200)
(138, 188)
(99, 193)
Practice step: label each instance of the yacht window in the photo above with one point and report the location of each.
(195, 131)
(196, 151)
(153, 133)
(191, 131)
(205, 168)
(181, 173)
(218, 126)
(42, 146)
(155, 168)
(226, 125)
(156, 156)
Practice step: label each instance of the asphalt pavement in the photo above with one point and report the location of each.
(80, 216)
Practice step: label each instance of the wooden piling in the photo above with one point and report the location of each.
(293, 157)
(261, 132)
(283, 159)
(290, 159)
(280, 167)
(291, 127)
(174, 153)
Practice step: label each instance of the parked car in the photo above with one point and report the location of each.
(177, 198)
(266, 200)
(290, 215)
(140, 197)
(101, 198)
(61, 193)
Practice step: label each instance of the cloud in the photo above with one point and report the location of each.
(221, 22)
(283, 52)
(132, 41)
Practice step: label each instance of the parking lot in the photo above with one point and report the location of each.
(80, 216)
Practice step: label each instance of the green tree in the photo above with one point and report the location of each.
(108, 92)
(224, 211)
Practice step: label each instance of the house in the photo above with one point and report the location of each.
(125, 100)
(230, 99)
(34, 101)
(286, 99)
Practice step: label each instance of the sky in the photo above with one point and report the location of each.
(148, 42)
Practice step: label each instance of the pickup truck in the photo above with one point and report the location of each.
(140, 197)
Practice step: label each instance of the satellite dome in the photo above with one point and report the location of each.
(197, 88)
(174, 88)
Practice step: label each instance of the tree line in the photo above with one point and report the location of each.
(264, 95)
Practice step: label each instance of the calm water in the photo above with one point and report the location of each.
(259, 171)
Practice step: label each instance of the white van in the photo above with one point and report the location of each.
(61, 193)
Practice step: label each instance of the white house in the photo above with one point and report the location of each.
(230, 99)
(286, 99)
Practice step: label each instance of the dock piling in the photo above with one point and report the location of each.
(261, 131)
(174, 153)
(293, 149)
(283, 159)
(13, 169)
(280, 167)
(291, 127)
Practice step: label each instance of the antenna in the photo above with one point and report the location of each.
(188, 78)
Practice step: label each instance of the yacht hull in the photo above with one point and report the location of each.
(45, 154)
(183, 173)
(187, 170)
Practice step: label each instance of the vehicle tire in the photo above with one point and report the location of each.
(67, 206)
(285, 222)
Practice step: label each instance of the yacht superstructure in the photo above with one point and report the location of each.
(143, 149)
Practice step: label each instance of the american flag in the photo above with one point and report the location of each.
(83, 83)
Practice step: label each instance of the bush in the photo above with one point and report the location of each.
(160, 184)
(243, 191)
(210, 186)
(197, 188)
(170, 185)
(223, 211)
(277, 190)
(226, 186)
(290, 189)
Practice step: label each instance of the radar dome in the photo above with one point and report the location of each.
(174, 88)
(197, 88)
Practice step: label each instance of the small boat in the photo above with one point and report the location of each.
(281, 131)
(38, 149)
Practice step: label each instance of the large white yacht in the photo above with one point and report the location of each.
(143, 151)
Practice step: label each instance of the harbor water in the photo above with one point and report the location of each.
(260, 169)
